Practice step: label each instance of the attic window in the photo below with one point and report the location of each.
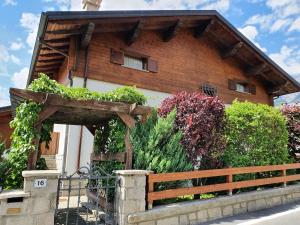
(209, 90)
(134, 60)
(241, 86)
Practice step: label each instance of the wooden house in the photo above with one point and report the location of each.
(160, 52)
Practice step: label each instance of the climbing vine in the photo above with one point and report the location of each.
(27, 114)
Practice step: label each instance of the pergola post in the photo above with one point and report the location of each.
(33, 155)
(32, 158)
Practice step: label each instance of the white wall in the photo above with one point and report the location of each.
(154, 99)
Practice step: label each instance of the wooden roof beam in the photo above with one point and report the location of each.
(87, 35)
(65, 32)
(277, 89)
(57, 41)
(134, 34)
(204, 28)
(233, 50)
(50, 60)
(170, 33)
(56, 49)
(50, 55)
(256, 70)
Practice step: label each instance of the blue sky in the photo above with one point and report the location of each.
(273, 25)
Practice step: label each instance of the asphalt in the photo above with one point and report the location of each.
(281, 215)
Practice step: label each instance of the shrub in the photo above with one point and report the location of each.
(256, 135)
(201, 120)
(157, 147)
(292, 114)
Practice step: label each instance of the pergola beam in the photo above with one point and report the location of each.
(233, 50)
(134, 34)
(46, 113)
(170, 33)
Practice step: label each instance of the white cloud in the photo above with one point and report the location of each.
(220, 5)
(284, 8)
(19, 79)
(280, 24)
(282, 15)
(251, 33)
(63, 5)
(4, 100)
(16, 45)
(76, 5)
(15, 59)
(4, 58)
(295, 25)
(289, 59)
(264, 21)
(10, 2)
(30, 22)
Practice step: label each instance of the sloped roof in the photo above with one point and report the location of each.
(56, 28)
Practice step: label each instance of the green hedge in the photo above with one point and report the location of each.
(256, 135)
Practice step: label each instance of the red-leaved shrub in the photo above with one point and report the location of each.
(201, 119)
(292, 113)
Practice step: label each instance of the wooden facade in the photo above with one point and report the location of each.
(184, 51)
(5, 130)
(184, 64)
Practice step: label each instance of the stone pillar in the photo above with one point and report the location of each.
(130, 193)
(42, 196)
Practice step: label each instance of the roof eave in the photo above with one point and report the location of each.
(59, 15)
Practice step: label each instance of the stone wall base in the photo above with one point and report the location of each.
(206, 210)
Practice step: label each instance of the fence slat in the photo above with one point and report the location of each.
(164, 177)
(228, 186)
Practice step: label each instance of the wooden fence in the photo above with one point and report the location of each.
(229, 186)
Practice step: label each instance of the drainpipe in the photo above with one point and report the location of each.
(70, 77)
(85, 77)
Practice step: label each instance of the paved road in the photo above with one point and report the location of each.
(282, 215)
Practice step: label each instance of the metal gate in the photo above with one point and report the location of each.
(86, 197)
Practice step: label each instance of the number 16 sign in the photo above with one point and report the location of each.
(40, 183)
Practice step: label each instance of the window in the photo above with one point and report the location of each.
(209, 90)
(135, 63)
(241, 86)
(133, 60)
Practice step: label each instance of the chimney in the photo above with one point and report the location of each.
(91, 5)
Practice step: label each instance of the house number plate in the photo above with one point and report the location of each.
(40, 183)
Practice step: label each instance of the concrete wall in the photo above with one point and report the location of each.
(37, 205)
(130, 200)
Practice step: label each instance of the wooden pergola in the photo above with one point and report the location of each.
(89, 113)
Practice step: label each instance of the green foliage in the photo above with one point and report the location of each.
(27, 114)
(157, 147)
(3, 161)
(123, 94)
(256, 135)
(292, 114)
(110, 137)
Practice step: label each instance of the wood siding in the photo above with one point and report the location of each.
(184, 63)
(5, 130)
